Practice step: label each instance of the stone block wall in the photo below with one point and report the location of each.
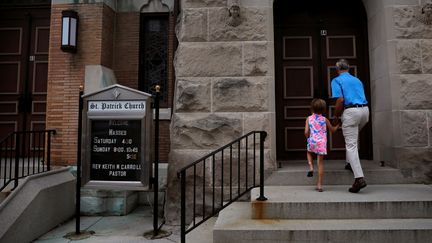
(413, 102)
(400, 62)
(224, 83)
(381, 61)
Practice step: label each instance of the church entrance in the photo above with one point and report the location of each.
(23, 67)
(310, 36)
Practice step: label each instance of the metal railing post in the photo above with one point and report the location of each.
(183, 206)
(181, 174)
(49, 151)
(17, 146)
(17, 156)
(263, 135)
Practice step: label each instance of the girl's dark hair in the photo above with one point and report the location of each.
(318, 106)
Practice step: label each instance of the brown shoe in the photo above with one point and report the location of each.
(359, 183)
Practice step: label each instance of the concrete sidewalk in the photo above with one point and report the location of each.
(113, 229)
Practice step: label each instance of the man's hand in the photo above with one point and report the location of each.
(339, 106)
(337, 121)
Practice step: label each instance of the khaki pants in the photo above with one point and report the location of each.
(353, 120)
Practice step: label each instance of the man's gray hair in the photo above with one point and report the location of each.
(342, 64)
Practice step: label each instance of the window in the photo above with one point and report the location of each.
(154, 54)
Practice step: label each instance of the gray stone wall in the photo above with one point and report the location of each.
(413, 75)
(401, 67)
(224, 83)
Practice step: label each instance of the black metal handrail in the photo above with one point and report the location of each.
(24, 153)
(241, 148)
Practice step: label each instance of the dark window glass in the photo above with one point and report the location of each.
(154, 54)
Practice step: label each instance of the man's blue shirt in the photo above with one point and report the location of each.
(350, 88)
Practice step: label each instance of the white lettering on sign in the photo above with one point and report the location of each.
(113, 132)
(117, 173)
(130, 105)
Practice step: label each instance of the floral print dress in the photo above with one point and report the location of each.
(317, 141)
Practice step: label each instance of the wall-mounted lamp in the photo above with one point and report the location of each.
(69, 30)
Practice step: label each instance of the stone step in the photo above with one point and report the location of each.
(374, 201)
(3, 195)
(234, 225)
(294, 173)
(202, 233)
(11, 185)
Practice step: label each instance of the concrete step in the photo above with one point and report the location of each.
(373, 202)
(294, 173)
(234, 225)
(3, 195)
(11, 184)
(202, 233)
(41, 202)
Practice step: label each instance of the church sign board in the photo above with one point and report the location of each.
(117, 150)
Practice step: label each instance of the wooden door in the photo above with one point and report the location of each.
(23, 69)
(309, 38)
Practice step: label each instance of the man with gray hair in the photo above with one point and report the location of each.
(351, 107)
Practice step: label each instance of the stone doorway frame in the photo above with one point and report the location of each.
(290, 138)
(382, 62)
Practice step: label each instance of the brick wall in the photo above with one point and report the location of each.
(66, 74)
(106, 38)
(126, 49)
(164, 140)
(126, 63)
(108, 22)
(165, 125)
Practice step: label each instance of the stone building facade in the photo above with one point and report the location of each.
(225, 80)
(222, 74)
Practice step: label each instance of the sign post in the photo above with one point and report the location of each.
(116, 150)
(78, 234)
(156, 164)
(78, 170)
(157, 232)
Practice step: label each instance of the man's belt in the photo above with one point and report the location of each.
(354, 106)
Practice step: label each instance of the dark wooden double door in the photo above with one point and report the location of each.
(24, 38)
(309, 39)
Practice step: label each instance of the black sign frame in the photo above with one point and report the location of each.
(122, 104)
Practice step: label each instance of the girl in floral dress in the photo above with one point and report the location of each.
(316, 134)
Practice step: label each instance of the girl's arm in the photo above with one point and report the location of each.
(306, 129)
(331, 127)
